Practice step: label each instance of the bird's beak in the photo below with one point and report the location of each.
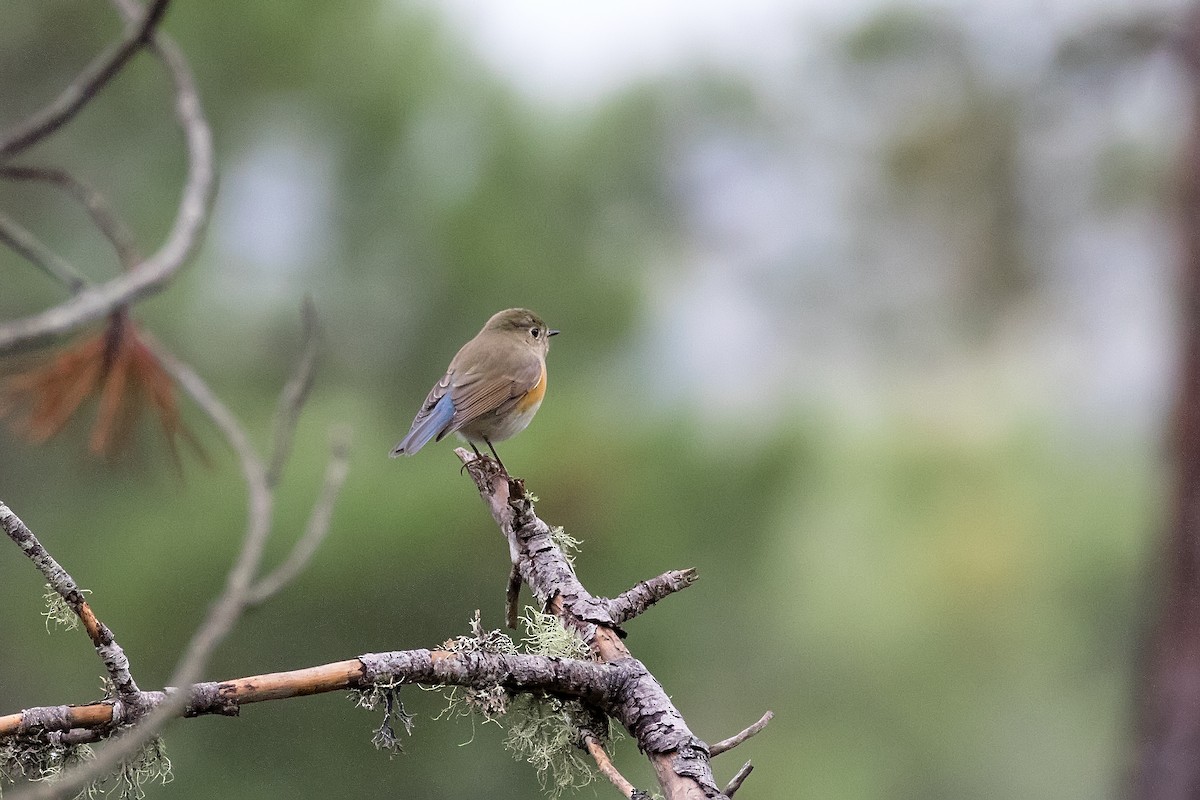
(553, 332)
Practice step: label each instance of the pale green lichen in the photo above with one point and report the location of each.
(567, 543)
(543, 732)
(57, 612)
(545, 636)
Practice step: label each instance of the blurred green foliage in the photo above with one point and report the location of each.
(930, 613)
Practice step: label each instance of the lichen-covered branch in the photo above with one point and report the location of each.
(116, 664)
(680, 759)
(516, 672)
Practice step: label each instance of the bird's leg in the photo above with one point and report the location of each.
(495, 454)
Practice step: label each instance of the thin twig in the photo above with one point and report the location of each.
(87, 85)
(294, 394)
(733, 741)
(111, 653)
(97, 207)
(636, 600)
(736, 782)
(153, 274)
(318, 521)
(605, 765)
(26, 245)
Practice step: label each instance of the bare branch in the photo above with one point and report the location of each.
(86, 86)
(606, 767)
(318, 522)
(733, 741)
(26, 245)
(736, 782)
(150, 275)
(93, 202)
(111, 653)
(634, 601)
(294, 394)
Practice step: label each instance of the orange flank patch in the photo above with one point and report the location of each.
(534, 395)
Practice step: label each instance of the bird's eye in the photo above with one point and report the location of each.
(535, 332)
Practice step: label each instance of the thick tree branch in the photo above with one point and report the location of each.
(86, 86)
(150, 275)
(680, 759)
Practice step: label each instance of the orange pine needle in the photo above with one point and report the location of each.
(116, 367)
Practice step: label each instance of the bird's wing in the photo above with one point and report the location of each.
(492, 386)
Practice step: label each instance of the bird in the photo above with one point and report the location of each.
(492, 388)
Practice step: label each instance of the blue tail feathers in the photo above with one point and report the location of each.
(432, 425)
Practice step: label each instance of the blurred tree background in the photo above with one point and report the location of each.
(867, 316)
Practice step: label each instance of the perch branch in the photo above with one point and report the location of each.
(152, 274)
(680, 759)
(87, 85)
(632, 602)
(116, 664)
(733, 741)
(26, 245)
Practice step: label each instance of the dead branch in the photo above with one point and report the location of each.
(634, 601)
(607, 768)
(733, 741)
(736, 782)
(116, 664)
(680, 759)
(516, 672)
